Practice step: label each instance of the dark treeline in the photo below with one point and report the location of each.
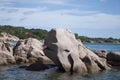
(24, 33)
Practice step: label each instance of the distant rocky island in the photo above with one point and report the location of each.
(6, 32)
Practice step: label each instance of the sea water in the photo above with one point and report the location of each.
(13, 72)
(103, 46)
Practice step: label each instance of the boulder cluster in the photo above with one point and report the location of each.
(25, 51)
(29, 50)
(61, 48)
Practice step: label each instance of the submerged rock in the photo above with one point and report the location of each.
(6, 53)
(29, 50)
(69, 54)
(38, 66)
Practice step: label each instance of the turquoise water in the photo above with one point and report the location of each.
(13, 72)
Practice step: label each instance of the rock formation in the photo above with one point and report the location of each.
(9, 37)
(6, 53)
(102, 54)
(69, 54)
(29, 50)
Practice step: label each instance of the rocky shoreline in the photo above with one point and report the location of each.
(62, 50)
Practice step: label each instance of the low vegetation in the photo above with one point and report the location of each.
(24, 33)
(97, 40)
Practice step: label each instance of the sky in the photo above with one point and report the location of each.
(92, 18)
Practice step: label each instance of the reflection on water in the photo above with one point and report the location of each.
(14, 73)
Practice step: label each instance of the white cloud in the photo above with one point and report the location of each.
(60, 18)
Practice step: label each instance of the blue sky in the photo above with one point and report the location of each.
(92, 18)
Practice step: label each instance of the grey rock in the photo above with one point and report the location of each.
(28, 50)
(100, 53)
(6, 53)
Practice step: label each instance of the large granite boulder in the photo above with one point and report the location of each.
(113, 58)
(69, 54)
(29, 50)
(6, 53)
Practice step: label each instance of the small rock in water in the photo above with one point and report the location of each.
(39, 66)
(23, 66)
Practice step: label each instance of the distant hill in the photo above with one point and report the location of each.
(97, 40)
(24, 33)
